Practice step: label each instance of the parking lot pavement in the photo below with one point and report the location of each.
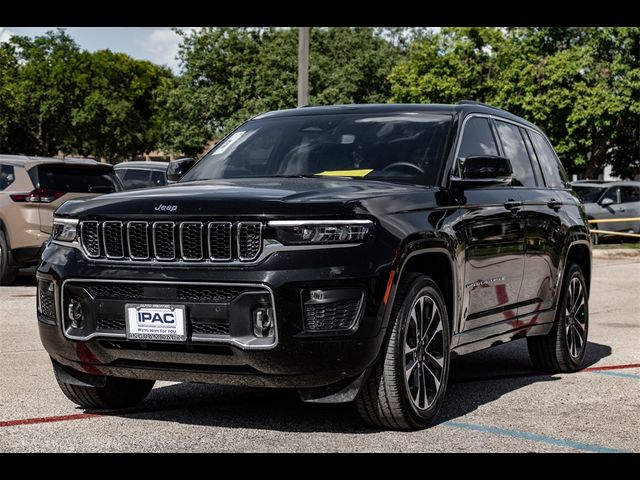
(496, 402)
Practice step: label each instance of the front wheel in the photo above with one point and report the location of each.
(563, 349)
(406, 387)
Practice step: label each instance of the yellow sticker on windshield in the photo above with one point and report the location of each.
(346, 173)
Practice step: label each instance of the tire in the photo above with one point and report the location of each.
(387, 399)
(595, 238)
(563, 349)
(117, 393)
(7, 273)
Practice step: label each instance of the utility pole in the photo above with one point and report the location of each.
(303, 66)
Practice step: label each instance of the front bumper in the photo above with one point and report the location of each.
(294, 357)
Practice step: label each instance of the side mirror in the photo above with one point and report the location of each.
(483, 170)
(177, 168)
(606, 202)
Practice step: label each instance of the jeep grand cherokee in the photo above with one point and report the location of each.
(348, 252)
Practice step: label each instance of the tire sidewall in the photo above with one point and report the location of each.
(574, 271)
(4, 256)
(421, 286)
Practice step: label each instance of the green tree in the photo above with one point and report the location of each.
(42, 90)
(230, 74)
(116, 116)
(581, 85)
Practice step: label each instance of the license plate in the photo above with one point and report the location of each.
(156, 322)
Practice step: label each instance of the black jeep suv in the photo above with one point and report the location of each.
(348, 252)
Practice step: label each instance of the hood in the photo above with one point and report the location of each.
(255, 197)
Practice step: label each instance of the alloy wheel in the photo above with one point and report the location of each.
(423, 355)
(575, 318)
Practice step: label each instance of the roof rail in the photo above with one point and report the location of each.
(473, 102)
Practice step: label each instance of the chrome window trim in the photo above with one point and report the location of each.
(104, 239)
(84, 249)
(180, 237)
(230, 243)
(153, 238)
(238, 227)
(146, 227)
(204, 339)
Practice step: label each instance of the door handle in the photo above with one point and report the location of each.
(513, 205)
(554, 204)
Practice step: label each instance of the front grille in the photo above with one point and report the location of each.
(130, 291)
(207, 294)
(110, 323)
(210, 328)
(168, 241)
(47, 300)
(331, 316)
(249, 240)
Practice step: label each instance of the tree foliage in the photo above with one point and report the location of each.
(55, 97)
(581, 85)
(231, 74)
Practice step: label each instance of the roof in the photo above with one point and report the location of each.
(28, 161)
(465, 107)
(141, 164)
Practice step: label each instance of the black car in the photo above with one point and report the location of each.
(142, 174)
(348, 252)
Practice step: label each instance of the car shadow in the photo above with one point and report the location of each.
(476, 379)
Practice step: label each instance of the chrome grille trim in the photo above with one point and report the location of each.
(154, 235)
(228, 245)
(146, 228)
(250, 251)
(181, 236)
(97, 238)
(105, 227)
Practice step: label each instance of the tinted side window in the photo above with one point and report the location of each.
(532, 156)
(63, 178)
(630, 194)
(612, 193)
(7, 176)
(477, 139)
(554, 174)
(158, 178)
(515, 150)
(136, 178)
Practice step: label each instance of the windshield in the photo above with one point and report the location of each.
(588, 194)
(399, 146)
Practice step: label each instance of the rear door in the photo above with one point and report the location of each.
(493, 228)
(629, 208)
(64, 182)
(547, 203)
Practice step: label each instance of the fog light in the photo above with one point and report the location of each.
(262, 322)
(75, 313)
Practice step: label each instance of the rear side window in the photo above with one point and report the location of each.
(629, 194)
(7, 176)
(554, 173)
(516, 151)
(477, 139)
(158, 178)
(75, 179)
(135, 178)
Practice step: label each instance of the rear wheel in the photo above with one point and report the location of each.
(406, 387)
(595, 239)
(563, 349)
(7, 273)
(117, 393)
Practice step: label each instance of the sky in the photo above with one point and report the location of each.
(157, 44)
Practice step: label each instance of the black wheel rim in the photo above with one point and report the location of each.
(423, 352)
(575, 318)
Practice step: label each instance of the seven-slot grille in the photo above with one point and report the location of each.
(171, 241)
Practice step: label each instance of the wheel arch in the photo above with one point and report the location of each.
(436, 262)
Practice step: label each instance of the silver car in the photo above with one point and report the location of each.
(611, 200)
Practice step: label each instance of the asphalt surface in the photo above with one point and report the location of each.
(496, 402)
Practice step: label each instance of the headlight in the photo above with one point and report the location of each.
(302, 232)
(65, 229)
